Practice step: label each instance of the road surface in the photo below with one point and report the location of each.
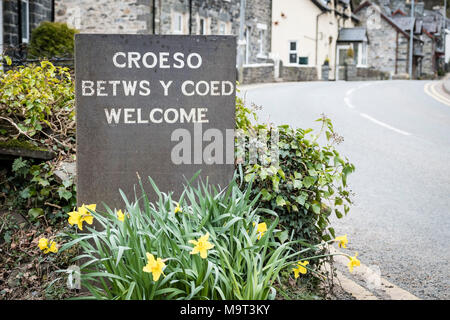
(398, 137)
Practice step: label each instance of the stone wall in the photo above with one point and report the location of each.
(39, 11)
(258, 19)
(428, 59)
(213, 12)
(105, 16)
(258, 73)
(10, 23)
(299, 73)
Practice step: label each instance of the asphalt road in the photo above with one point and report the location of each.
(398, 137)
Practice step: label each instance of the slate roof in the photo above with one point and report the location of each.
(322, 4)
(352, 35)
(404, 23)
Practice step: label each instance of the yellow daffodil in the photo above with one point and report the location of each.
(75, 217)
(87, 216)
(261, 229)
(44, 246)
(300, 268)
(120, 215)
(342, 241)
(155, 267)
(353, 262)
(202, 245)
(83, 214)
(178, 208)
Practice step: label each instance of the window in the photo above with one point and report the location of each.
(25, 21)
(247, 31)
(303, 60)
(262, 34)
(222, 28)
(202, 26)
(364, 54)
(292, 51)
(177, 23)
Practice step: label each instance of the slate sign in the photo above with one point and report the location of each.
(161, 106)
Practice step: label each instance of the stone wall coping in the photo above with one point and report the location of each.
(258, 65)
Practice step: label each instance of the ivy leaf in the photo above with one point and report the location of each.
(280, 201)
(283, 236)
(302, 199)
(248, 177)
(266, 196)
(67, 183)
(308, 182)
(298, 184)
(25, 193)
(316, 208)
(276, 182)
(35, 213)
(281, 173)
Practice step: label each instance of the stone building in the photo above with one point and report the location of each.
(428, 54)
(388, 50)
(196, 17)
(18, 18)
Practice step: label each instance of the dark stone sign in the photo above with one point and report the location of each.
(159, 106)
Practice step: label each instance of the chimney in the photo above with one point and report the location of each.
(419, 8)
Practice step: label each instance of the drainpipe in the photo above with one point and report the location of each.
(396, 53)
(190, 16)
(154, 16)
(52, 14)
(241, 42)
(19, 29)
(411, 43)
(317, 35)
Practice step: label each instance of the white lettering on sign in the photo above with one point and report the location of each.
(150, 60)
(105, 88)
(155, 115)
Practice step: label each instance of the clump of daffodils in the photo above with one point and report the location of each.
(82, 215)
(47, 246)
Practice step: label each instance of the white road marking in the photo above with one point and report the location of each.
(348, 102)
(364, 115)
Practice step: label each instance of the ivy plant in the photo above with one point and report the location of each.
(309, 181)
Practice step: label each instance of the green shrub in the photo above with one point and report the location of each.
(37, 101)
(33, 189)
(243, 264)
(52, 39)
(308, 183)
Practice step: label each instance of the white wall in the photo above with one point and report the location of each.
(299, 24)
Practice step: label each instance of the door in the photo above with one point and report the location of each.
(340, 61)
